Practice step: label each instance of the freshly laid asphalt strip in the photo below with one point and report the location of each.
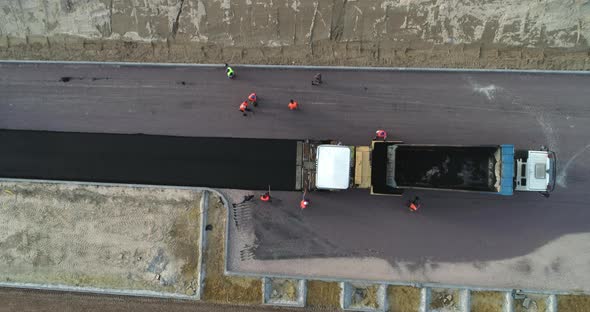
(251, 164)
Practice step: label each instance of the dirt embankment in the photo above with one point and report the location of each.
(549, 34)
(124, 238)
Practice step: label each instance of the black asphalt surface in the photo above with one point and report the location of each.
(149, 159)
(527, 110)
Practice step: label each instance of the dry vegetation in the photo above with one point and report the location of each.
(487, 301)
(323, 294)
(217, 286)
(403, 298)
(573, 303)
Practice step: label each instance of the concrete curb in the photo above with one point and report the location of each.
(465, 300)
(203, 206)
(552, 303)
(508, 302)
(304, 67)
(95, 290)
(424, 299)
(392, 283)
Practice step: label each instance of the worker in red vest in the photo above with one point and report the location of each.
(265, 197)
(380, 135)
(293, 105)
(304, 203)
(253, 99)
(414, 204)
(244, 108)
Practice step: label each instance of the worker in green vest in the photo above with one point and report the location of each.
(230, 72)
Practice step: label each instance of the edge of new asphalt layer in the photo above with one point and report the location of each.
(305, 67)
(246, 274)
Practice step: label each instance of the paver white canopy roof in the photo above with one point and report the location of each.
(333, 167)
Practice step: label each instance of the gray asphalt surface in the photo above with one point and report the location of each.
(439, 108)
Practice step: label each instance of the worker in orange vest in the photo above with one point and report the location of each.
(244, 108)
(265, 197)
(414, 204)
(304, 203)
(293, 105)
(253, 99)
(380, 135)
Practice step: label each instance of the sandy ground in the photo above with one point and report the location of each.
(98, 236)
(551, 34)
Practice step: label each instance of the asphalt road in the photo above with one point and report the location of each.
(527, 110)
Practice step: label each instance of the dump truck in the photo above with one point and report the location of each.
(390, 167)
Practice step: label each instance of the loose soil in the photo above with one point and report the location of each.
(284, 290)
(487, 301)
(324, 53)
(538, 303)
(364, 297)
(125, 238)
(403, 298)
(323, 294)
(217, 286)
(444, 300)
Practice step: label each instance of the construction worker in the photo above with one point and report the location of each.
(317, 80)
(252, 98)
(229, 72)
(380, 135)
(244, 108)
(414, 204)
(265, 197)
(304, 203)
(293, 105)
